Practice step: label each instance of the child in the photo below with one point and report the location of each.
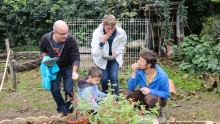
(88, 89)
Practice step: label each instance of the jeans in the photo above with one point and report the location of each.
(66, 75)
(110, 73)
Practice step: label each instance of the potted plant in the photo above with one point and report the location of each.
(76, 118)
(80, 114)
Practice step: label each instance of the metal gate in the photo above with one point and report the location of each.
(136, 30)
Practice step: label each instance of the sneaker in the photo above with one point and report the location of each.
(50, 61)
(161, 117)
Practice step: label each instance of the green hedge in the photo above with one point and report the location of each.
(25, 21)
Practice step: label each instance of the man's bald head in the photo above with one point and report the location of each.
(60, 31)
(60, 24)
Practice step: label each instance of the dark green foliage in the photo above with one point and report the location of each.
(25, 21)
(201, 55)
(212, 28)
(198, 11)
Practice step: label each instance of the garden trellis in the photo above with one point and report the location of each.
(136, 30)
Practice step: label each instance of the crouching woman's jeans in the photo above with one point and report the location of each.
(110, 73)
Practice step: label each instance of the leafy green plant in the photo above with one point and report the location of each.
(82, 32)
(201, 55)
(111, 111)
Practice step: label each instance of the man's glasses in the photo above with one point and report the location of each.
(62, 34)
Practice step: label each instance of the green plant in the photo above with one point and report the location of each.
(201, 55)
(82, 32)
(111, 111)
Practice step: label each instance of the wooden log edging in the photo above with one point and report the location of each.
(188, 122)
(34, 120)
(58, 120)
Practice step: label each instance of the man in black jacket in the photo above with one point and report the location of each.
(60, 44)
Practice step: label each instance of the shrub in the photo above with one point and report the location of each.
(200, 55)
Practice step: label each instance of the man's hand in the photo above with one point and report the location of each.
(75, 75)
(135, 66)
(145, 90)
(43, 54)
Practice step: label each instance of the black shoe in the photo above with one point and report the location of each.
(70, 111)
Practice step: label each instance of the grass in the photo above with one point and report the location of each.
(29, 96)
(203, 113)
(183, 80)
(10, 104)
(33, 80)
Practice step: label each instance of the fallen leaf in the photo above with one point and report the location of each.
(176, 105)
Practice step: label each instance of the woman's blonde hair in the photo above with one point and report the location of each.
(109, 20)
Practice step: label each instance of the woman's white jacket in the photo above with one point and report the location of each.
(118, 45)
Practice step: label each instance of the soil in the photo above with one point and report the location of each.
(31, 100)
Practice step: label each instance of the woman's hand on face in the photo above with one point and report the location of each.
(106, 36)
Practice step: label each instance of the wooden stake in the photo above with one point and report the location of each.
(6, 65)
(11, 65)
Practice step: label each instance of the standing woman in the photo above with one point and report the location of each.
(108, 44)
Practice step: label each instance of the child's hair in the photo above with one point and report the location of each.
(95, 72)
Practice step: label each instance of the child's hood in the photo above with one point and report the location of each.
(82, 84)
